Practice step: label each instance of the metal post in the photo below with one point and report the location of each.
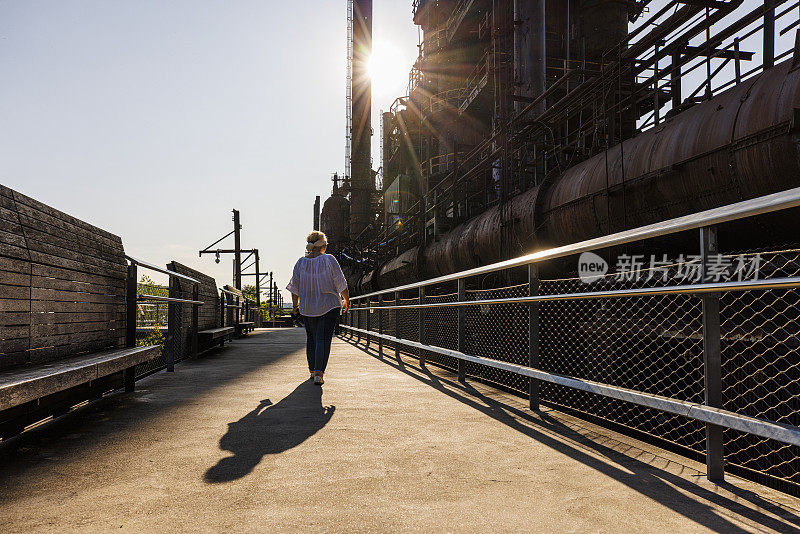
(462, 324)
(195, 318)
(533, 336)
(274, 303)
(130, 306)
(675, 79)
(769, 34)
(712, 361)
(131, 293)
(237, 251)
(172, 324)
(236, 316)
(272, 287)
(368, 304)
(421, 325)
(397, 325)
(380, 326)
(223, 298)
(358, 325)
(258, 292)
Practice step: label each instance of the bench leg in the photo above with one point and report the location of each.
(130, 379)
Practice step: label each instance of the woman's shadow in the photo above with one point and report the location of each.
(270, 429)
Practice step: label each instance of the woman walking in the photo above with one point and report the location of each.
(319, 295)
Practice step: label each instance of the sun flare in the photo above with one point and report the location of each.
(388, 68)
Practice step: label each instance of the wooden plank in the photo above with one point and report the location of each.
(14, 292)
(68, 231)
(49, 271)
(71, 307)
(57, 295)
(25, 200)
(14, 265)
(101, 337)
(43, 355)
(7, 203)
(56, 260)
(8, 333)
(9, 360)
(25, 385)
(45, 330)
(14, 345)
(11, 251)
(14, 279)
(14, 305)
(68, 241)
(10, 223)
(36, 210)
(111, 264)
(79, 287)
(15, 318)
(11, 239)
(76, 317)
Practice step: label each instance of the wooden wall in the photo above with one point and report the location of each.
(209, 312)
(62, 284)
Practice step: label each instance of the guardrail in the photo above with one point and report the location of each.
(710, 368)
(133, 298)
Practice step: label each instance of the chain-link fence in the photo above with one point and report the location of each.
(152, 323)
(629, 350)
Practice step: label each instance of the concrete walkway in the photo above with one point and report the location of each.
(240, 440)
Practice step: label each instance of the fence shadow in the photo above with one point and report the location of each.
(270, 429)
(675, 492)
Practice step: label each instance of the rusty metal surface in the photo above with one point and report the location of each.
(738, 145)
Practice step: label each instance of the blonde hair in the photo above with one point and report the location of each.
(315, 240)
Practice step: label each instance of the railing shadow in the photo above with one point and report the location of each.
(673, 491)
(270, 429)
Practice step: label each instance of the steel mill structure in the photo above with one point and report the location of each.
(530, 123)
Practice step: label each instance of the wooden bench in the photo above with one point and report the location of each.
(216, 333)
(63, 318)
(246, 326)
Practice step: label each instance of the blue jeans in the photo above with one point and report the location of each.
(319, 333)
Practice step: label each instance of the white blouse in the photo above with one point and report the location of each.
(318, 282)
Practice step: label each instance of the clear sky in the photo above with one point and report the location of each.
(153, 119)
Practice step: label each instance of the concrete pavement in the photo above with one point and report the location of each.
(240, 440)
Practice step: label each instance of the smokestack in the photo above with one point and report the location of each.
(362, 181)
(316, 213)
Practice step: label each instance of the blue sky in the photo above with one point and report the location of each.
(154, 119)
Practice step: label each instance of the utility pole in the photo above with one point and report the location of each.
(258, 285)
(237, 246)
(236, 251)
(271, 300)
(275, 289)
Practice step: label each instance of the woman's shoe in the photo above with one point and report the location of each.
(318, 381)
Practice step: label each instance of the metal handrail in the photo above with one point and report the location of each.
(159, 298)
(789, 198)
(152, 267)
(691, 289)
(230, 293)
